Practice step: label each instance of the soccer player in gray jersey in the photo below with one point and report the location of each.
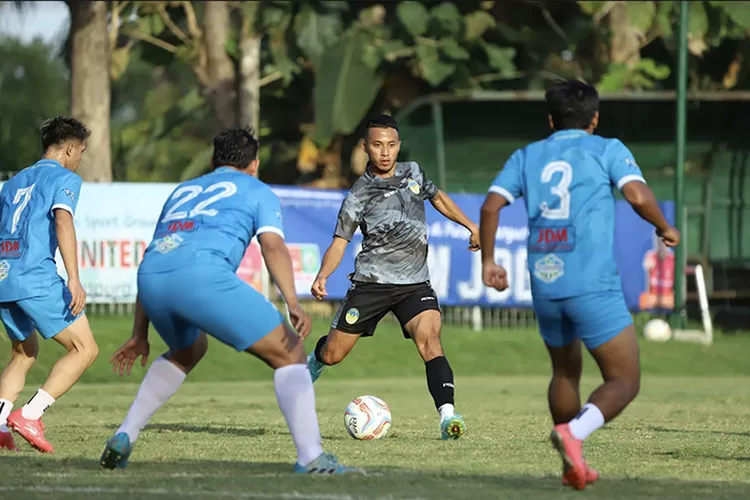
(391, 273)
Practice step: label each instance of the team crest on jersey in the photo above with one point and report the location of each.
(168, 243)
(631, 163)
(4, 269)
(352, 315)
(413, 185)
(549, 268)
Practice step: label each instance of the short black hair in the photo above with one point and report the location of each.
(61, 129)
(381, 121)
(235, 147)
(572, 104)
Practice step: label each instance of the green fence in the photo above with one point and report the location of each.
(479, 135)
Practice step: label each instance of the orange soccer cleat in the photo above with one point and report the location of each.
(591, 476)
(575, 470)
(31, 430)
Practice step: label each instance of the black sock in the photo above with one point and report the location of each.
(319, 347)
(440, 381)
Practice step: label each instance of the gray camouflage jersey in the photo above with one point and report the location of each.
(390, 213)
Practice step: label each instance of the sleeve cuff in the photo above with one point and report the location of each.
(503, 192)
(62, 206)
(629, 178)
(269, 229)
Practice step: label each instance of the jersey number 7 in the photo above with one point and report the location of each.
(560, 190)
(190, 192)
(22, 199)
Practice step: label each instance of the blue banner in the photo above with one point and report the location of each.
(310, 218)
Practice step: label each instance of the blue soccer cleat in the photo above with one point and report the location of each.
(326, 464)
(315, 366)
(452, 427)
(116, 452)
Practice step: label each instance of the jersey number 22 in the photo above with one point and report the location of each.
(560, 190)
(187, 193)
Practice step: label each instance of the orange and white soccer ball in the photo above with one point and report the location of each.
(367, 418)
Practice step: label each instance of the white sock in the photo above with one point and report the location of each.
(5, 408)
(37, 405)
(586, 422)
(447, 410)
(160, 383)
(296, 398)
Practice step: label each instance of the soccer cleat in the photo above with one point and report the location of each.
(325, 464)
(31, 430)
(591, 476)
(7, 442)
(116, 452)
(571, 452)
(315, 366)
(452, 427)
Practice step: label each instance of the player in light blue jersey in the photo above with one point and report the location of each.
(37, 206)
(567, 183)
(187, 285)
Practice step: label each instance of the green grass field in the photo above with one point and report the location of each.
(222, 436)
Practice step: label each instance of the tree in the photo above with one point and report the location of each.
(90, 85)
(33, 87)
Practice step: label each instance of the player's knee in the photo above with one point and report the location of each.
(90, 350)
(429, 346)
(330, 355)
(22, 359)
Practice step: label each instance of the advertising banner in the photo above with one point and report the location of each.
(115, 222)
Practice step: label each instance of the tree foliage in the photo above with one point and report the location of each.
(316, 68)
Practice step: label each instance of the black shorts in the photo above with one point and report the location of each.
(366, 304)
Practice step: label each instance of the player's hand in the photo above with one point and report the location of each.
(300, 321)
(670, 237)
(78, 294)
(318, 288)
(125, 357)
(494, 276)
(474, 240)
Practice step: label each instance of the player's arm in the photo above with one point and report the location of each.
(332, 257)
(278, 260)
(504, 190)
(64, 205)
(626, 175)
(347, 222)
(140, 321)
(448, 209)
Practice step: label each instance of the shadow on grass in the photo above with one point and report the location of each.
(200, 429)
(698, 431)
(46, 476)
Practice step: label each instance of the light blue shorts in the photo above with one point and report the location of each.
(49, 314)
(594, 318)
(182, 303)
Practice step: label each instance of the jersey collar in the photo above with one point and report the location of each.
(225, 169)
(398, 172)
(49, 163)
(567, 134)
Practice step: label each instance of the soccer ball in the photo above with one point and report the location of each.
(657, 330)
(367, 417)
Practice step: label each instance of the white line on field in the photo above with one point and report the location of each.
(96, 490)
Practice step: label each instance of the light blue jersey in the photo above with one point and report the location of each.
(211, 221)
(187, 282)
(28, 241)
(567, 184)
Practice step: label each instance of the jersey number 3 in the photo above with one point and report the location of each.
(560, 190)
(190, 192)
